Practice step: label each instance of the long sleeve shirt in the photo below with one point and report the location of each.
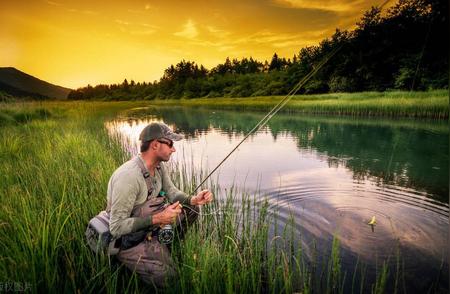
(127, 190)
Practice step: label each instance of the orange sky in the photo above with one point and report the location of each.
(75, 43)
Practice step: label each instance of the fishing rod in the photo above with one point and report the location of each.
(280, 104)
(274, 110)
(266, 118)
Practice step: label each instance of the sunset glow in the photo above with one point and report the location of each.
(73, 44)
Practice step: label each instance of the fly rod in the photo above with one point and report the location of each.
(274, 110)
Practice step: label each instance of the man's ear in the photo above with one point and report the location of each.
(153, 145)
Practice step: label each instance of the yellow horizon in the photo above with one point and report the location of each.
(89, 42)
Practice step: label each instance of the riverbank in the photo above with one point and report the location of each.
(430, 104)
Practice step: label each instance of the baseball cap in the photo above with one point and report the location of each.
(158, 130)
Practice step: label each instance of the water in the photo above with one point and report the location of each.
(333, 175)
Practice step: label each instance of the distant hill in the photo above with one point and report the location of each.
(19, 84)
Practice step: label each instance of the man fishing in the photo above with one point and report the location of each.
(143, 203)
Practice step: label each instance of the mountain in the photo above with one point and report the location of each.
(20, 84)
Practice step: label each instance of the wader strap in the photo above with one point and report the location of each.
(146, 176)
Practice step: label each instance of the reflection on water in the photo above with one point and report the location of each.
(333, 175)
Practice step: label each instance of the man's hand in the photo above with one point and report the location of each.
(168, 215)
(202, 198)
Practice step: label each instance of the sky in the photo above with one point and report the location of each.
(76, 43)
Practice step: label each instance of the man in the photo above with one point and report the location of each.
(136, 206)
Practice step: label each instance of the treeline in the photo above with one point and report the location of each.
(404, 48)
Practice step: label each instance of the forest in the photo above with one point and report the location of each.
(402, 48)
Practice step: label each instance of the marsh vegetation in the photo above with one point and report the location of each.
(55, 161)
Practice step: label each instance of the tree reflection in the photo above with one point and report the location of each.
(406, 153)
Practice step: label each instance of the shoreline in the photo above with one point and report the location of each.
(433, 104)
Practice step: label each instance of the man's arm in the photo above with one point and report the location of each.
(124, 191)
(172, 192)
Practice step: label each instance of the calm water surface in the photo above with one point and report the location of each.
(333, 174)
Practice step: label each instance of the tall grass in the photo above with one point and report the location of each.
(429, 104)
(53, 178)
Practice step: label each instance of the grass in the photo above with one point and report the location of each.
(14, 116)
(54, 171)
(431, 104)
(50, 169)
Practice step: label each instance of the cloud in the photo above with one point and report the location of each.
(122, 22)
(225, 48)
(87, 12)
(290, 44)
(225, 41)
(189, 30)
(135, 11)
(142, 10)
(328, 5)
(143, 32)
(149, 25)
(90, 12)
(281, 40)
(54, 3)
(136, 29)
(217, 32)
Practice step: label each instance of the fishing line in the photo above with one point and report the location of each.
(267, 117)
(421, 54)
(274, 111)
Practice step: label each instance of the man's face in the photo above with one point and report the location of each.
(165, 148)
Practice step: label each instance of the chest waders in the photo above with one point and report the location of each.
(99, 237)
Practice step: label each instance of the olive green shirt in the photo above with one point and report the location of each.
(127, 190)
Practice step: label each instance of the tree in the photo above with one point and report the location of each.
(275, 63)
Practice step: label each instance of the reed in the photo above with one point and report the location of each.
(429, 104)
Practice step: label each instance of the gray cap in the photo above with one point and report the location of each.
(158, 130)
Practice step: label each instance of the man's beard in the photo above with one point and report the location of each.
(162, 159)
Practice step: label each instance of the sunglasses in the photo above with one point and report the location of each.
(168, 143)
